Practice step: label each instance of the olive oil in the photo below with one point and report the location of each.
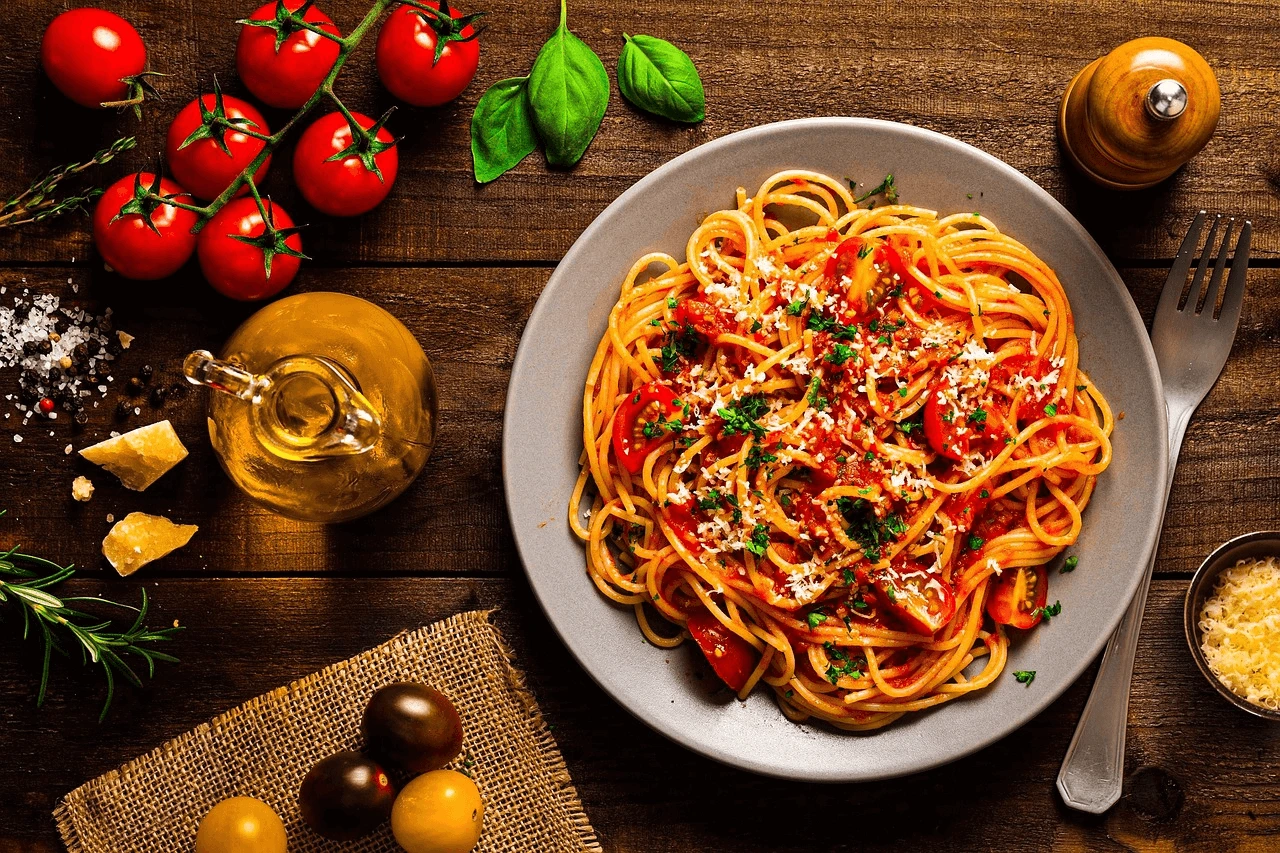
(325, 407)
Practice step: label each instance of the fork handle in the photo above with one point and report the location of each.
(1092, 774)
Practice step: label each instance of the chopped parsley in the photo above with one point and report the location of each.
(821, 323)
(740, 418)
(759, 540)
(671, 302)
(840, 354)
(1069, 565)
(680, 344)
(976, 542)
(841, 665)
(815, 399)
(711, 501)
(864, 251)
(984, 494)
(758, 456)
(1051, 409)
(1082, 387)
(847, 576)
(757, 326)
(1024, 676)
(816, 618)
(658, 428)
(978, 416)
(887, 188)
(1049, 611)
(795, 309)
(868, 531)
(908, 427)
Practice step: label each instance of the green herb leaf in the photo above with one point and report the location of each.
(502, 131)
(1069, 565)
(816, 618)
(1025, 676)
(568, 94)
(1049, 611)
(660, 78)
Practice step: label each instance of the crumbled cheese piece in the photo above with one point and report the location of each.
(1240, 631)
(138, 539)
(139, 457)
(82, 489)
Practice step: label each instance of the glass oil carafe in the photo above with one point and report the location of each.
(324, 406)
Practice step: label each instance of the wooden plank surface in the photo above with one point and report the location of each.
(990, 74)
(643, 793)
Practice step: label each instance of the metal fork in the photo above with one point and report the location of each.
(1192, 341)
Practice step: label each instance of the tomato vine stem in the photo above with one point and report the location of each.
(346, 45)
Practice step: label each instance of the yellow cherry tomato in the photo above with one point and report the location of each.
(438, 812)
(241, 825)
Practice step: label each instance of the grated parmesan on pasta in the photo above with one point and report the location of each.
(1240, 631)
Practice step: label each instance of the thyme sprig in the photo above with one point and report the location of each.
(25, 581)
(41, 200)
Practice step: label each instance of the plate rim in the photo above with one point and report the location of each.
(1150, 538)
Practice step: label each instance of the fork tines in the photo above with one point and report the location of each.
(1196, 293)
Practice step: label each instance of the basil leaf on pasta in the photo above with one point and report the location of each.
(660, 78)
(502, 131)
(568, 94)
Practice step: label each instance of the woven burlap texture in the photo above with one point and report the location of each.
(264, 747)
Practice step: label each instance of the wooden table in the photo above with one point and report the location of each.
(266, 600)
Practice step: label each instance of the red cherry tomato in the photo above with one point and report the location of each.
(343, 187)
(238, 269)
(1038, 394)
(922, 600)
(940, 425)
(705, 318)
(1019, 597)
(406, 56)
(89, 53)
(286, 77)
(844, 259)
(133, 248)
(203, 167)
(635, 426)
(732, 657)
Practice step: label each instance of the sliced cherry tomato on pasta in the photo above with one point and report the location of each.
(705, 318)
(732, 657)
(920, 599)
(679, 518)
(844, 260)
(641, 423)
(891, 256)
(1040, 393)
(1019, 596)
(965, 510)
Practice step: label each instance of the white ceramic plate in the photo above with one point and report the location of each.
(672, 691)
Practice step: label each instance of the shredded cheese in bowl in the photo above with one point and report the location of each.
(1240, 631)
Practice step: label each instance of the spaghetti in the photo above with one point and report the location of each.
(837, 447)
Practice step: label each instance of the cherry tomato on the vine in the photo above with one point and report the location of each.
(203, 166)
(91, 56)
(349, 186)
(286, 76)
(126, 241)
(239, 269)
(424, 60)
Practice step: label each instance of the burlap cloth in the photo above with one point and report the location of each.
(263, 749)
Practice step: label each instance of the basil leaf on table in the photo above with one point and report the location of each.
(568, 94)
(502, 131)
(660, 78)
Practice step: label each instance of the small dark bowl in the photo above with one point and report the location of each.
(1251, 546)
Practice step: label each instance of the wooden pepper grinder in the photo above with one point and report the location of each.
(1132, 118)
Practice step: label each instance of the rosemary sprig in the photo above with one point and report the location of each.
(25, 581)
(40, 201)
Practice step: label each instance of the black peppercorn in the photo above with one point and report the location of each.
(114, 347)
(123, 409)
(28, 347)
(80, 353)
(29, 395)
(28, 377)
(159, 396)
(146, 372)
(81, 417)
(44, 347)
(133, 387)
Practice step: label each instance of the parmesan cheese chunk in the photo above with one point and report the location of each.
(82, 489)
(139, 457)
(1240, 631)
(138, 539)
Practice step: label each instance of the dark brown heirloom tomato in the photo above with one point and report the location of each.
(412, 727)
(346, 796)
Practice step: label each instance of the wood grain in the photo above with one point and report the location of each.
(642, 792)
(454, 518)
(986, 73)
